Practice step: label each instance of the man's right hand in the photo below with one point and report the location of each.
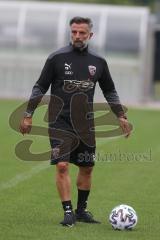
(25, 125)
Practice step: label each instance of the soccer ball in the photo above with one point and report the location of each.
(123, 217)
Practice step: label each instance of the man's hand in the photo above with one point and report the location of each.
(124, 124)
(25, 125)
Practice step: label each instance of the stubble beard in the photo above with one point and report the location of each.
(79, 44)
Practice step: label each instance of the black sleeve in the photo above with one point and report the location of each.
(41, 86)
(108, 88)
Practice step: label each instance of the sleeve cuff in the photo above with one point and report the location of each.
(27, 114)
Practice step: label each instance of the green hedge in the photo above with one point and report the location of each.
(119, 2)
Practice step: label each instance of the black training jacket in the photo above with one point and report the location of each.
(72, 75)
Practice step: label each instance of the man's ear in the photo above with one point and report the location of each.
(91, 34)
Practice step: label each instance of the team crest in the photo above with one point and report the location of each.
(92, 70)
(55, 152)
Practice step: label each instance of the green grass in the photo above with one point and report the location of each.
(29, 204)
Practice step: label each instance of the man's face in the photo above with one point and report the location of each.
(80, 34)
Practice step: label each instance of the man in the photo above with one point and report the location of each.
(72, 73)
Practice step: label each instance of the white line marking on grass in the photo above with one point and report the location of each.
(24, 176)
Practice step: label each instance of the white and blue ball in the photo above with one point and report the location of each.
(123, 217)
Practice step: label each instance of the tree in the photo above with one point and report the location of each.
(119, 2)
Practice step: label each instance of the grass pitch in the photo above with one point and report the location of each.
(127, 171)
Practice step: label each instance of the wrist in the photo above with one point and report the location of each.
(122, 115)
